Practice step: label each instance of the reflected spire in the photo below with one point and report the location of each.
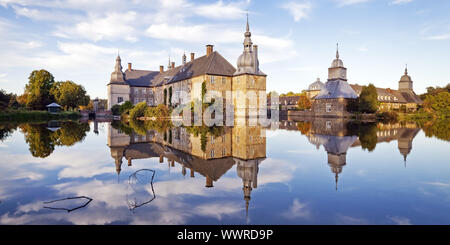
(336, 179)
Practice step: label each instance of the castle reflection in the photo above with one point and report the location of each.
(205, 152)
(339, 135)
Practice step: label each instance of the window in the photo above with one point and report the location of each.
(212, 139)
(224, 80)
(136, 101)
(252, 80)
(223, 138)
(328, 107)
(212, 79)
(328, 124)
(136, 91)
(212, 153)
(223, 152)
(119, 99)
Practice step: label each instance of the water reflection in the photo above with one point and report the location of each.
(338, 135)
(215, 174)
(207, 151)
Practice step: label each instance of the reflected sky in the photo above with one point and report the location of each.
(285, 176)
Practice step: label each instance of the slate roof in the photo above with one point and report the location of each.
(336, 144)
(336, 88)
(214, 64)
(390, 95)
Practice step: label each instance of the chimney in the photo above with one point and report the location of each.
(192, 56)
(209, 182)
(209, 49)
(161, 69)
(173, 65)
(129, 66)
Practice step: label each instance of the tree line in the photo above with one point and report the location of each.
(41, 90)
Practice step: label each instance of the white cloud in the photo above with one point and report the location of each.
(114, 26)
(400, 220)
(349, 2)
(298, 10)
(297, 210)
(397, 2)
(220, 10)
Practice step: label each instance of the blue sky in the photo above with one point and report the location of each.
(79, 39)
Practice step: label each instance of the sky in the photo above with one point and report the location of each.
(79, 40)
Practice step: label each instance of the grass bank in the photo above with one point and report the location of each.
(36, 116)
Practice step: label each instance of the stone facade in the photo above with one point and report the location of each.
(212, 69)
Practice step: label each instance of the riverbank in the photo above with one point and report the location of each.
(32, 116)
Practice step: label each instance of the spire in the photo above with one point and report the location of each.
(337, 50)
(336, 179)
(169, 65)
(248, 28)
(406, 69)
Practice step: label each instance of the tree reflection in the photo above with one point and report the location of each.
(42, 141)
(140, 184)
(367, 133)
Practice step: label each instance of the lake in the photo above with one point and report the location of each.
(317, 171)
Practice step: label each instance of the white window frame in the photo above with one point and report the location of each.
(328, 107)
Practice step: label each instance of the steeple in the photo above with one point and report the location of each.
(405, 83)
(337, 50)
(406, 69)
(117, 75)
(248, 61)
(337, 69)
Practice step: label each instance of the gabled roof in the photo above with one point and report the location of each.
(335, 89)
(214, 64)
(53, 105)
(389, 95)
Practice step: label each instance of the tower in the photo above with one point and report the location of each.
(405, 83)
(337, 69)
(248, 78)
(118, 88)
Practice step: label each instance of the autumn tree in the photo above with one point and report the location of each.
(69, 94)
(304, 103)
(38, 89)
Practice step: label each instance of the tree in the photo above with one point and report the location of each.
(38, 89)
(69, 94)
(368, 99)
(125, 107)
(304, 103)
(203, 91)
(165, 96)
(4, 99)
(170, 96)
(139, 110)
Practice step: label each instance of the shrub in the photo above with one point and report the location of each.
(125, 107)
(139, 110)
(115, 110)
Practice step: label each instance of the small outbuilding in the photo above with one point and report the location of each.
(53, 108)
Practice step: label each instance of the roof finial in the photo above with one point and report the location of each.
(337, 50)
(248, 28)
(406, 69)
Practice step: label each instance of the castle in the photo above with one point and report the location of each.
(212, 69)
(331, 98)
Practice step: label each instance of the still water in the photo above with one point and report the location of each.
(305, 172)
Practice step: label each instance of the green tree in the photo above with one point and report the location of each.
(303, 102)
(125, 107)
(170, 96)
(69, 94)
(165, 96)
(139, 110)
(38, 89)
(368, 99)
(203, 90)
(4, 99)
